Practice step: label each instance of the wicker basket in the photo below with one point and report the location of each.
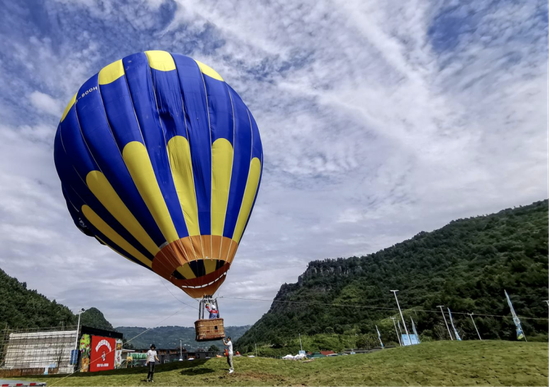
(209, 329)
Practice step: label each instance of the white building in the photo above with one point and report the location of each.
(42, 349)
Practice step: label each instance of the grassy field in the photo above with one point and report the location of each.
(444, 363)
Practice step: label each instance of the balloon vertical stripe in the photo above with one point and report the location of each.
(194, 101)
(104, 228)
(139, 165)
(104, 192)
(250, 192)
(242, 144)
(222, 161)
(140, 83)
(179, 155)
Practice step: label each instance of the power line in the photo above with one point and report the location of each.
(378, 308)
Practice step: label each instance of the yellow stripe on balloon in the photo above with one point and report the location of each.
(222, 165)
(248, 199)
(209, 266)
(139, 165)
(112, 235)
(205, 69)
(179, 155)
(104, 192)
(186, 271)
(120, 253)
(111, 73)
(68, 108)
(160, 60)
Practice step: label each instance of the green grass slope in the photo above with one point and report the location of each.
(443, 363)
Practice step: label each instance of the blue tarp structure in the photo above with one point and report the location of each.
(405, 339)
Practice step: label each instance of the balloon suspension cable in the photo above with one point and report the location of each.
(175, 297)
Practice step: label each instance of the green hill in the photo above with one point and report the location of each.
(24, 308)
(444, 363)
(168, 337)
(95, 318)
(465, 265)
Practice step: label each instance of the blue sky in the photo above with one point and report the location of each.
(378, 120)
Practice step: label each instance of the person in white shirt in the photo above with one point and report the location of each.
(229, 345)
(151, 358)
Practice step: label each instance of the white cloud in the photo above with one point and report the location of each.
(46, 104)
(373, 130)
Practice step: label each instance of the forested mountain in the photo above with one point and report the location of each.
(465, 265)
(95, 318)
(24, 308)
(168, 337)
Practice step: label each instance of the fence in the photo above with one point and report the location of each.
(32, 351)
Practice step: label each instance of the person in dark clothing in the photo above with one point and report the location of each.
(151, 359)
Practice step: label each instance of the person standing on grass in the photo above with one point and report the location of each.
(229, 349)
(151, 358)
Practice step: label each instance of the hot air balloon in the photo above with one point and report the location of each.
(161, 160)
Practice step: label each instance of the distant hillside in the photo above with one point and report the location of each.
(24, 308)
(95, 318)
(168, 337)
(465, 265)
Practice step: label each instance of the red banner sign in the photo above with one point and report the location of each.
(103, 354)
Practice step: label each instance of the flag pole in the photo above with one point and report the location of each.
(445, 319)
(396, 333)
(474, 322)
(403, 319)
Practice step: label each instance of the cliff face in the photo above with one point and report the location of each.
(465, 265)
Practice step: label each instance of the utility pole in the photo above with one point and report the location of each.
(300, 341)
(402, 319)
(78, 328)
(474, 322)
(75, 351)
(181, 351)
(445, 319)
(396, 333)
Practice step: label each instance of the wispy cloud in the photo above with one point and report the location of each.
(45, 103)
(378, 120)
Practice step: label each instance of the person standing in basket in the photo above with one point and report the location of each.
(229, 345)
(213, 312)
(151, 358)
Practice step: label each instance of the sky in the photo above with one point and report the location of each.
(379, 119)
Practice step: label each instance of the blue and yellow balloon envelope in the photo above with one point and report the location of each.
(161, 160)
